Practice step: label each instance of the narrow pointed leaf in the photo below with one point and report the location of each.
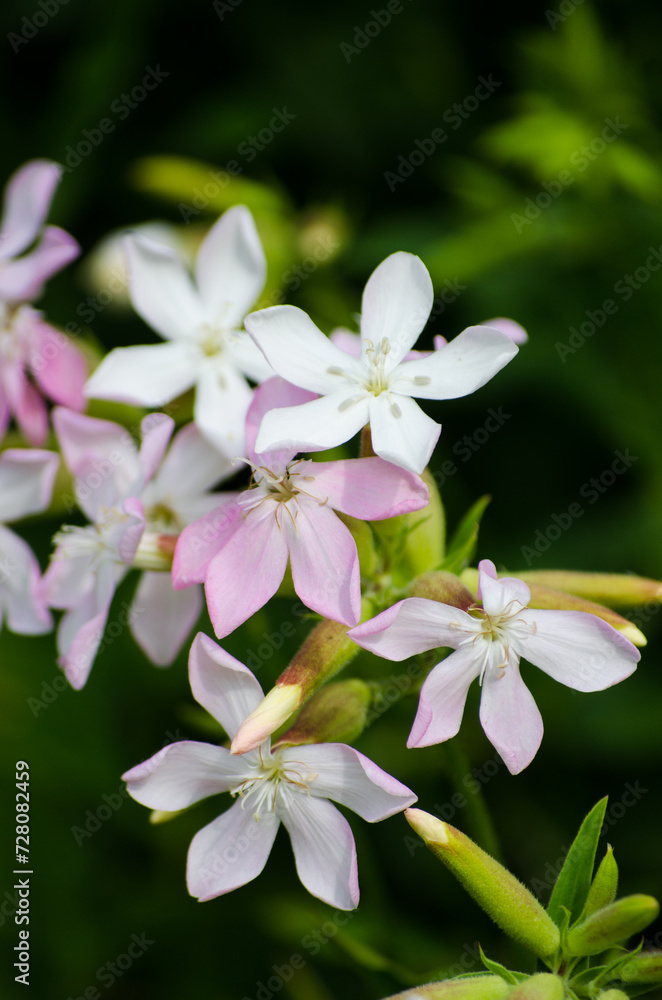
(574, 881)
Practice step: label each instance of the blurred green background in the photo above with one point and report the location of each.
(540, 199)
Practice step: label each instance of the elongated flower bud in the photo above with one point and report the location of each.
(543, 986)
(613, 995)
(325, 651)
(336, 714)
(495, 889)
(418, 537)
(619, 589)
(604, 885)
(475, 988)
(443, 587)
(612, 924)
(643, 968)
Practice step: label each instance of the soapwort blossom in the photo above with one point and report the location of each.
(241, 550)
(377, 388)
(574, 647)
(206, 346)
(291, 785)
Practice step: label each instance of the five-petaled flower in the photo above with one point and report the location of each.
(206, 346)
(241, 550)
(575, 648)
(290, 784)
(378, 387)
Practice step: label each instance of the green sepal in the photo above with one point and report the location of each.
(604, 885)
(500, 970)
(574, 880)
(462, 546)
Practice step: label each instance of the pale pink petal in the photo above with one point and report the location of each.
(162, 618)
(200, 541)
(68, 580)
(25, 402)
(190, 467)
(21, 279)
(230, 851)
(21, 602)
(145, 376)
(87, 442)
(81, 629)
(325, 564)
(442, 699)
(184, 773)
(222, 685)
(412, 626)
(131, 530)
(297, 350)
(401, 432)
(469, 361)
(577, 649)
(396, 304)
(500, 595)
(273, 394)
(323, 423)
(367, 488)
(247, 571)
(222, 398)
(510, 716)
(324, 849)
(517, 333)
(161, 289)
(26, 202)
(26, 481)
(57, 365)
(347, 341)
(346, 776)
(155, 430)
(231, 267)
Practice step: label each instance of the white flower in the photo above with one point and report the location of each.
(378, 387)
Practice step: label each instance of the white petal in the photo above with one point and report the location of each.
(26, 481)
(346, 776)
(297, 350)
(162, 618)
(443, 695)
(248, 358)
(510, 716)
(470, 360)
(413, 626)
(401, 432)
(222, 399)
(183, 773)
(315, 426)
(231, 267)
(396, 304)
(221, 684)
(161, 289)
(26, 202)
(229, 852)
(498, 596)
(324, 848)
(145, 376)
(20, 599)
(577, 649)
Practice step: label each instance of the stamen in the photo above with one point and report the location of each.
(422, 380)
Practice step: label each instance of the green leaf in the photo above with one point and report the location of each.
(574, 880)
(463, 544)
(500, 970)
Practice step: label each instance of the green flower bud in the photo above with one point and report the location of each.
(473, 988)
(336, 714)
(500, 894)
(643, 968)
(612, 924)
(614, 589)
(365, 544)
(415, 540)
(604, 885)
(613, 995)
(443, 587)
(543, 986)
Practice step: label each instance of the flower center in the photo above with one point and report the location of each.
(277, 487)
(377, 379)
(215, 338)
(496, 632)
(273, 777)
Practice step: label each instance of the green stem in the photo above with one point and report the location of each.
(479, 822)
(366, 450)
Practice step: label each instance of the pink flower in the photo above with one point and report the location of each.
(573, 647)
(26, 484)
(29, 345)
(241, 550)
(291, 785)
